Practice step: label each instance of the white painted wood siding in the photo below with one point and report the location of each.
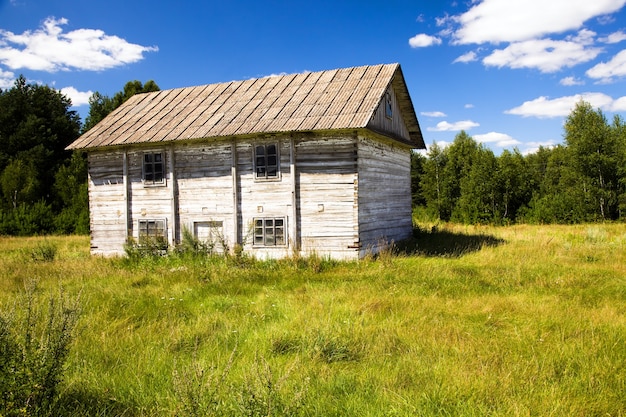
(326, 195)
(384, 198)
(149, 202)
(394, 125)
(205, 191)
(106, 203)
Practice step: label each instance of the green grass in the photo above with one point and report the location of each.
(466, 321)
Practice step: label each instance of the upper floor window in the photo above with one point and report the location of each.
(153, 168)
(266, 161)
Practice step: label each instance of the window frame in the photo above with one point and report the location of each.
(152, 239)
(266, 165)
(144, 172)
(260, 236)
(388, 105)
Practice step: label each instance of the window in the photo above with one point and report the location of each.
(269, 232)
(388, 107)
(153, 168)
(266, 161)
(152, 233)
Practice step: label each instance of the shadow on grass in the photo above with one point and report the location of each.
(444, 243)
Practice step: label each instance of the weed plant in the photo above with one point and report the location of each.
(461, 320)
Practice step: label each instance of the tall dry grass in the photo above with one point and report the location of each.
(520, 320)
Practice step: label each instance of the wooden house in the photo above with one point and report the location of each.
(310, 163)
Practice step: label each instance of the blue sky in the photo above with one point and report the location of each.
(506, 71)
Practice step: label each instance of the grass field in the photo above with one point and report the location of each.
(474, 321)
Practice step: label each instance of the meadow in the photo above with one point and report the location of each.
(461, 321)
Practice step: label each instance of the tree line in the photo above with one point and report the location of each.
(44, 187)
(582, 180)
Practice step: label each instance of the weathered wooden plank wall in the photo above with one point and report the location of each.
(326, 181)
(106, 203)
(384, 199)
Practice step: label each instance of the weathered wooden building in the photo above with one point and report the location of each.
(305, 163)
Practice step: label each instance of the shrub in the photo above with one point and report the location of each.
(33, 350)
(44, 252)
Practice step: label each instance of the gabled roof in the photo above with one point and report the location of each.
(315, 101)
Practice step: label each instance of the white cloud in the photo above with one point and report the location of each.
(433, 114)
(615, 37)
(469, 106)
(7, 79)
(607, 71)
(468, 57)
(546, 55)
(453, 127)
(79, 98)
(570, 81)
(533, 147)
(423, 40)
(49, 49)
(501, 140)
(494, 21)
(545, 108)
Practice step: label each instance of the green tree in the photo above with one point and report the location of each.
(431, 180)
(36, 124)
(478, 201)
(460, 157)
(71, 188)
(417, 171)
(515, 183)
(594, 151)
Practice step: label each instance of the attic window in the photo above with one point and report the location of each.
(388, 107)
(153, 168)
(266, 161)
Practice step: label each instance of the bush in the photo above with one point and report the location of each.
(33, 350)
(44, 252)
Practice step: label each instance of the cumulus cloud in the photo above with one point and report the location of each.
(495, 21)
(469, 106)
(531, 39)
(79, 98)
(546, 55)
(467, 57)
(7, 79)
(453, 127)
(423, 40)
(501, 140)
(606, 72)
(545, 108)
(433, 114)
(50, 49)
(571, 81)
(615, 37)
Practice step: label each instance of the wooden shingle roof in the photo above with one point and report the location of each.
(316, 101)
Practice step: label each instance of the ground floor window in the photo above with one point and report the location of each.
(269, 232)
(153, 233)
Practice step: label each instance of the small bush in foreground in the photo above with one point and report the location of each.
(33, 350)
